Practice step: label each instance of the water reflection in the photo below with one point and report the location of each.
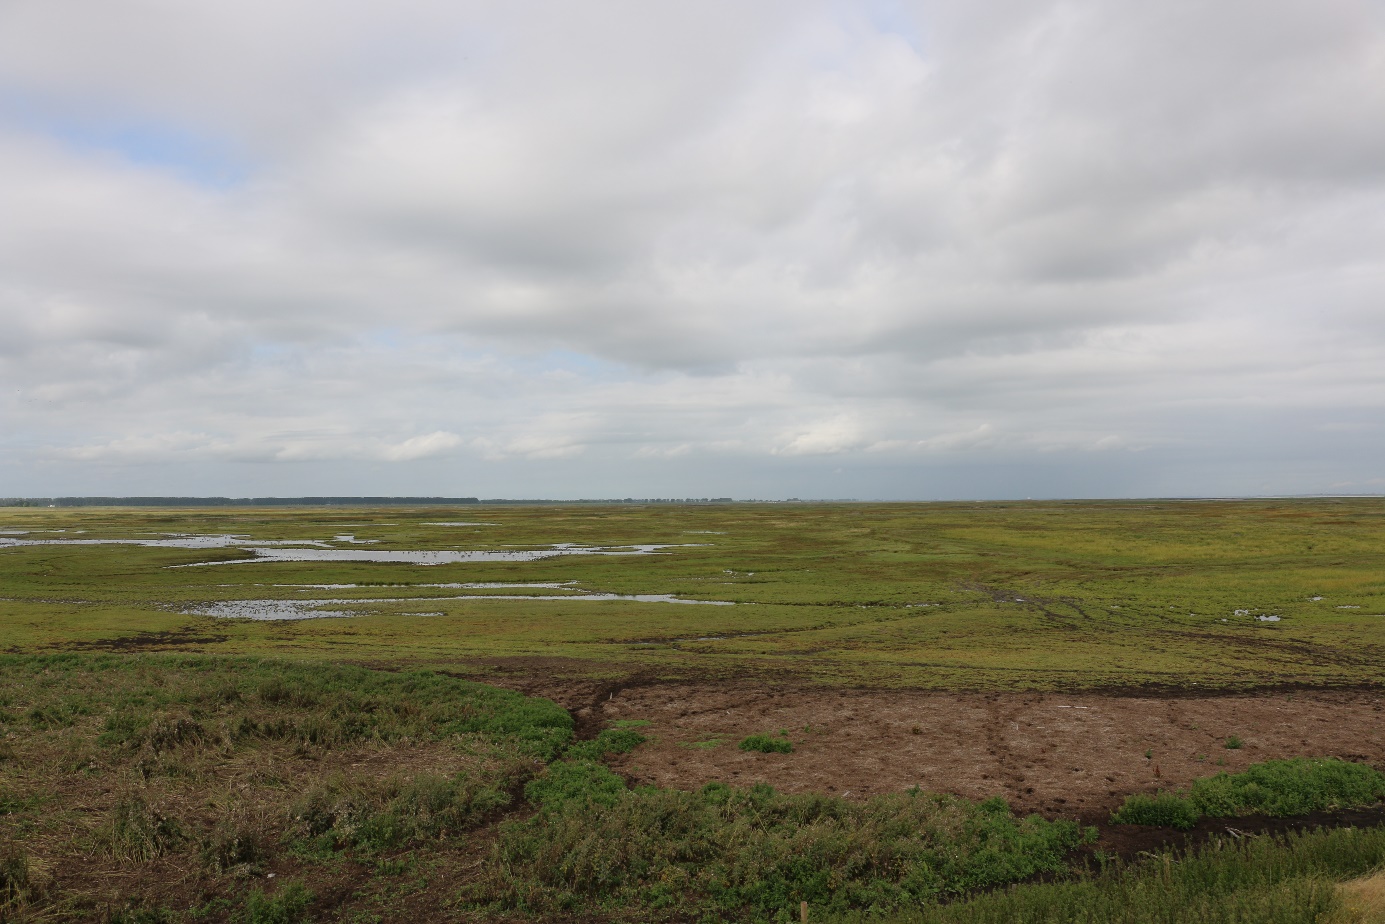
(267, 610)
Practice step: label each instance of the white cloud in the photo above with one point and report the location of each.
(634, 240)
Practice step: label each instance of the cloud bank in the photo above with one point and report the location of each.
(812, 249)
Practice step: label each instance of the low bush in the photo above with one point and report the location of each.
(233, 847)
(289, 905)
(1163, 808)
(1276, 787)
(768, 744)
(610, 741)
(315, 705)
(1289, 787)
(579, 782)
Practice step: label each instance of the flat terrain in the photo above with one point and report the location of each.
(1061, 656)
(1056, 754)
(980, 597)
(1035, 651)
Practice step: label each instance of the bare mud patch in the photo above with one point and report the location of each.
(1057, 754)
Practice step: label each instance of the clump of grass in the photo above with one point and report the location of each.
(1275, 787)
(288, 905)
(136, 831)
(1262, 880)
(726, 852)
(313, 705)
(768, 744)
(1234, 743)
(343, 813)
(233, 846)
(619, 740)
(1165, 809)
(575, 781)
(16, 880)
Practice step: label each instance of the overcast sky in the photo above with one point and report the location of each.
(756, 249)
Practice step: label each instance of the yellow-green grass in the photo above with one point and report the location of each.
(1021, 596)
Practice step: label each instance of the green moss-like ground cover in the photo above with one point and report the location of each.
(993, 596)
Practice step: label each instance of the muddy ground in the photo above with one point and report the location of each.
(1061, 755)
(1049, 753)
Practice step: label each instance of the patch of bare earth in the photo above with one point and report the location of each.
(1075, 755)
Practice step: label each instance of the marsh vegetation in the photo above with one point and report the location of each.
(648, 761)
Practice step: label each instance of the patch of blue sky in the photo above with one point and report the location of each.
(589, 367)
(894, 18)
(148, 143)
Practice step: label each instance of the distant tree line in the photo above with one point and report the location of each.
(233, 501)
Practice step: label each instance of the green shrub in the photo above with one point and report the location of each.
(314, 705)
(722, 851)
(1163, 808)
(768, 744)
(289, 905)
(1276, 787)
(575, 781)
(610, 741)
(1289, 787)
(1233, 743)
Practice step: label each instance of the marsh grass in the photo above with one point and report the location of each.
(340, 812)
(1295, 786)
(732, 853)
(136, 831)
(178, 777)
(1294, 879)
(287, 905)
(1024, 596)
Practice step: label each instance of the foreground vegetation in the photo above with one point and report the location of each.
(156, 788)
(1297, 879)
(141, 785)
(945, 596)
(1274, 787)
(173, 788)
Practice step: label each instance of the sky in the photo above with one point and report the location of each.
(874, 250)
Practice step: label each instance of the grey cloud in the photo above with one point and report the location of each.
(783, 235)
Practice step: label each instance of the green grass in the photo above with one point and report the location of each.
(729, 853)
(766, 744)
(360, 756)
(167, 781)
(288, 905)
(1274, 787)
(1020, 596)
(1260, 880)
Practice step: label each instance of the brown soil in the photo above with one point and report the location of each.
(1074, 755)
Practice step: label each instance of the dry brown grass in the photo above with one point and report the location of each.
(1363, 900)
